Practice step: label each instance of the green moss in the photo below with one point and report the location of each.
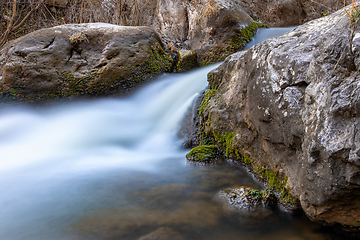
(225, 140)
(159, 61)
(207, 96)
(246, 159)
(255, 192)
(203, 153)
(276, 183)
(186, 59)
(240, 40)
(237, 43)
(76, 86)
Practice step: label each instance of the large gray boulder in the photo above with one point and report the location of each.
(291, 105)
(81, 59)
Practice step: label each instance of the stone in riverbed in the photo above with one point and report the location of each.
(81, 59)
(163, 233)
(291, 103)
(246, 205)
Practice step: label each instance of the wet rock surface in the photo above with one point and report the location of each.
(163, 233)
(248, 198)
(85, 59)
(186, 60)
(290, 104)
(246, 205)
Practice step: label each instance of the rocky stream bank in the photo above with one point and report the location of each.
(287, 108)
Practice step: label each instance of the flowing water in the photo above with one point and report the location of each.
(114, 169)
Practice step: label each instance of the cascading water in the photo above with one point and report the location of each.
(113, 169)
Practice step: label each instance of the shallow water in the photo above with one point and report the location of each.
(114, 169)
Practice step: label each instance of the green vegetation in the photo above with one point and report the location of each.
(276, 183)
(159, 61)
(353, 13)
(186, 60)
(207, 96)
(77, 86)
(203, 153)
(78, 37)
(238, 42)
(225, 140)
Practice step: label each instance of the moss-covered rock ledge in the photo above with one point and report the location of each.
(81, 59)
(288, 108)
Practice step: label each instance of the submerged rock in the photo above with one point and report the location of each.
(248, 198)
(291, 104)
(163, 233)
(81, 59)
(246, 205)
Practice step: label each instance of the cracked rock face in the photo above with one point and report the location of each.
(292, 103)
(207, 27)
(81, 59)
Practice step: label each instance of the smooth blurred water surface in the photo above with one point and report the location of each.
(114, 169)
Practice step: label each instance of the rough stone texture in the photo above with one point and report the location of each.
(207, 27)
(291, 104)
(247, 198)
(284, 13)
(245, 205)
(320, 8)
(85, 59)
(278, 13)
(186, 60)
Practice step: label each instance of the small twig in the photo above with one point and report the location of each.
(27, 16)
(81, 11)
(9, 27)
(320, 4)
(337, 62)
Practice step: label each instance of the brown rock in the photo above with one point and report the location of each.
(278, 13)
(297, 96)
(163, 233)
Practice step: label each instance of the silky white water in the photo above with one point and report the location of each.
(114, 169)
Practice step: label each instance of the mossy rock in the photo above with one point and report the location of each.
(248, 198)
(204, 154)
(89, 60)
(186, 60)
(236, 43)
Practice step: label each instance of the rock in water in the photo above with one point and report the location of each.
(81, 59)
(163, 233)
(292, 104)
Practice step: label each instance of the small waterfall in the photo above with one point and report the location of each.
(114, 169)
